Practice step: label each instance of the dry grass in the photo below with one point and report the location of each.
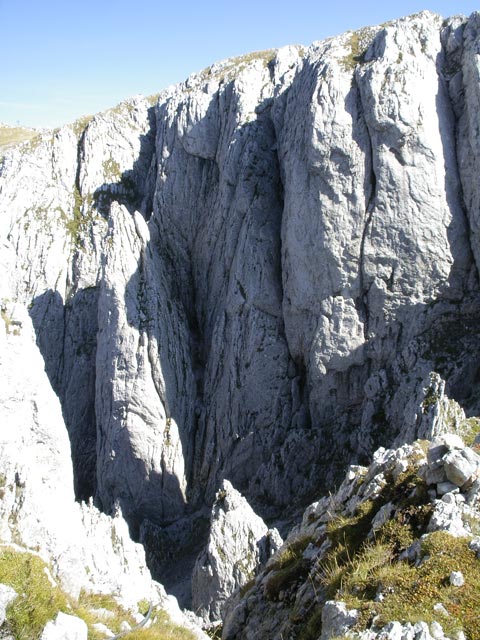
(39, 601)
(11, 136)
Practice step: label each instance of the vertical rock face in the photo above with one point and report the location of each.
(87, 549)
(254, 278)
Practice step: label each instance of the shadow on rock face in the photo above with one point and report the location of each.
(66, 336)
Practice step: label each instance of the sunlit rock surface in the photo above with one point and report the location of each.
(263, 274)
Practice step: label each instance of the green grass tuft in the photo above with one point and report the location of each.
(414, 597)
(38, 601)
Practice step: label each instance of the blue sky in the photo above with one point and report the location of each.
(63, 59)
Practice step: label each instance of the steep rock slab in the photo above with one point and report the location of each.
(38, 509)
(463, 46)
(314, 256)
(87, 550)
(144, 389)
(217, 208)
(56, 194)
(385, 241)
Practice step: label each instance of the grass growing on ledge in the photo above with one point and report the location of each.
(162, 629)
(359, 42)
(39, 601)
(287, 567)
(409, 592)
(11, 136)
(234, 66)
(422, 587)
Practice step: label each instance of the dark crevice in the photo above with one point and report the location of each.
(449, 71)
(362, 300)
(66, 337)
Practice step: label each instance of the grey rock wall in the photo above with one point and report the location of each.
(254, 278)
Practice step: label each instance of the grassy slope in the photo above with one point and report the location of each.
(11, 136)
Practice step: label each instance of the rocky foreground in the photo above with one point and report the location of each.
(217, 300)
(393, 554)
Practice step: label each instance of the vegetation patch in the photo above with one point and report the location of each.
(287, 567)
(111, 170)
(80, 125)
(313, 627)
(469, 430)
(248, 586)
(359, 43)
(82, 218)
(233, 66)
(284, 578)
(412, 599)
(162, 628)
(11, 326)
(290, 553)
(358, 567)
(12, 136)
(37, 602)
(347, 533)
(215, 632)
(361, 563)
(448, 339)
(40, 600)
(6, 319)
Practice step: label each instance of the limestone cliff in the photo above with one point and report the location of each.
(253, 276)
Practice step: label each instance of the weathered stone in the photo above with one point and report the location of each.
(447, 516)
(436, 630)
(422, 631)
(65, 627)
(461, 466)
(337, 619)
(446, 487)
(103, 630)
(7, 596)
(456, 579)
(439, 608)
(475, 546)
(239, 543)
(382, 516)
(395, 631)
(435, 473)
(436, 451)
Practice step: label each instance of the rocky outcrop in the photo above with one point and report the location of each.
(239, 544)
(263, 276)
(359, 553)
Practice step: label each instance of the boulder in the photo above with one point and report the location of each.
(461, 466)
(65, 627)
(337, 619)
(456, 579)
(7, 596)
